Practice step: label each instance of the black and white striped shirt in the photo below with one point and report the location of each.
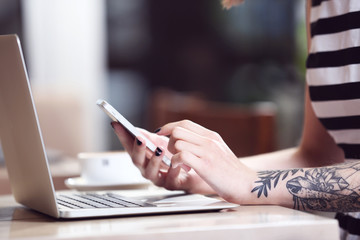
(333, 70)
(333, 77)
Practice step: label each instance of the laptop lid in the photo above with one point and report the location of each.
(20, 134)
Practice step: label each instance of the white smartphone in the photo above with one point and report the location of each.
(117, 117)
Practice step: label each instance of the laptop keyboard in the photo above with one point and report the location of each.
(94, 200)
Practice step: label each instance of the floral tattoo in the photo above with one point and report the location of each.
(335, 188)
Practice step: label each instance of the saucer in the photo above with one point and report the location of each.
(81, 184)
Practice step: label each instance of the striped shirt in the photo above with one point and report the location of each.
(333, 70)
(333, 75)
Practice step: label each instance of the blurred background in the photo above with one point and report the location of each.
(127, 52)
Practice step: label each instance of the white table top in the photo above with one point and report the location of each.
(243, 222)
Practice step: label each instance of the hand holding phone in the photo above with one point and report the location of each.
(117, 117)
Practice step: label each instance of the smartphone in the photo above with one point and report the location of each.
(117, 117)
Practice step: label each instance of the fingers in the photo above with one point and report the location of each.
(156, 139)
(138, 153)
(168, 129)
(188, 159)
(180, 145)
(182, 138)
(172, 180)
(123, 135)
(152, 169)
(150, 164)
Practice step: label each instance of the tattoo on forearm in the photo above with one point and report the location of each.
(268, 177)
(335, 188)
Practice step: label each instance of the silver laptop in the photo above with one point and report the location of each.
(27, 164)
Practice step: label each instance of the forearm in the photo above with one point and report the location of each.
(297, 157)
(332, 188)
(283, 159)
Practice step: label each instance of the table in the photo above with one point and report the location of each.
(243, 222)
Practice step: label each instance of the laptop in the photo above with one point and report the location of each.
(28, 168)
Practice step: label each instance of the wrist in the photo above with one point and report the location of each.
(270, 187)
(240, 189)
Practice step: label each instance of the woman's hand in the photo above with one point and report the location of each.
(206, 153)
(151, 166)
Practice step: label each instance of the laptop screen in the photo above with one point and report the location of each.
(21, 139)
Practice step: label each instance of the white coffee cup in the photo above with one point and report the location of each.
(109, 168)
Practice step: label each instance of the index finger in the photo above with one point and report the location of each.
(123, 135)
(167, 129)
